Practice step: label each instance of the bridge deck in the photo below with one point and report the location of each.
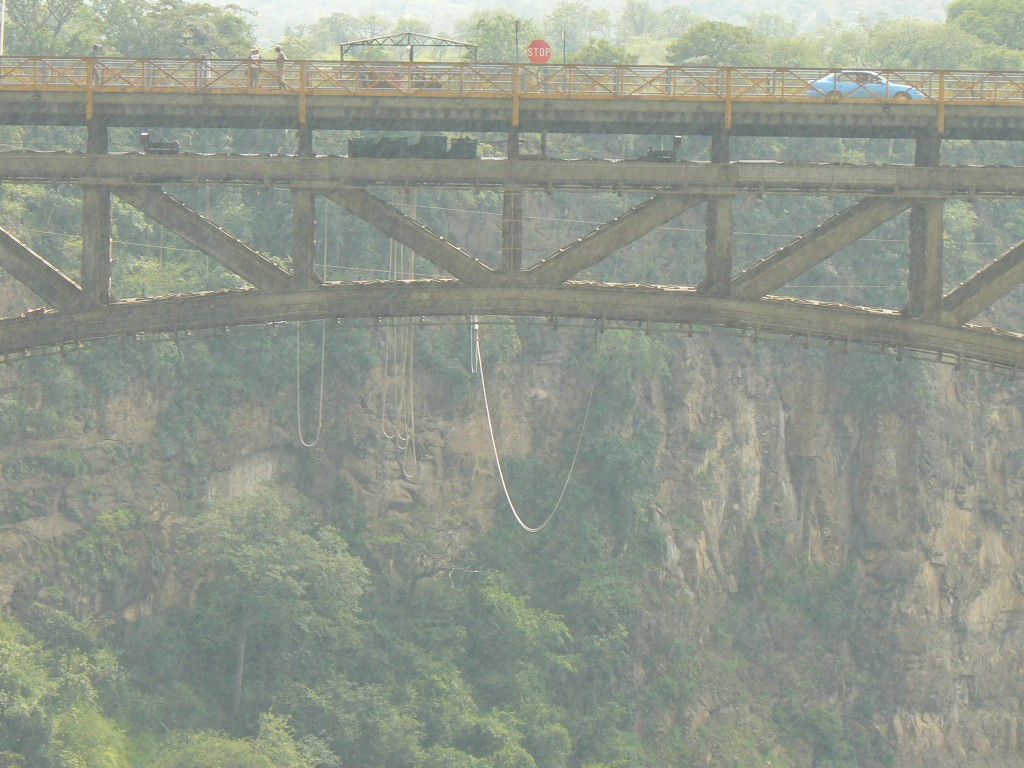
(496, 97)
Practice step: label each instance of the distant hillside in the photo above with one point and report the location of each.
(273, 18)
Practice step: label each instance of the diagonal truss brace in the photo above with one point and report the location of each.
(985, 287)
(45, 280)
(412, 234)
(608, 238)
(811, 249)
(230, 252)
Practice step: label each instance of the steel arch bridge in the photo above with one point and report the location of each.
(96, 95)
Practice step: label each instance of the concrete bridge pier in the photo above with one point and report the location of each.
(96, 235)
(718, 255)
(924, 285)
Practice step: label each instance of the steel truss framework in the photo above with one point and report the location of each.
(932, 320)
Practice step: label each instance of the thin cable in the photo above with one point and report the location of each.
(298, 367)
(298, 382)
(410, 446)
(390, 347)
(494, 444)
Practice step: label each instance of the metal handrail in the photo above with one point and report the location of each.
(476, 80)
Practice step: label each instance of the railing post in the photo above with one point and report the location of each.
(728, 98)
(515, 96)
(942, 103)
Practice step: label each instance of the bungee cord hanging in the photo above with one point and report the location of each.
(398, 385)
(298, 382)
(478, 365)
(323, 367)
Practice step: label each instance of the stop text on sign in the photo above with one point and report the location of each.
(539, 52)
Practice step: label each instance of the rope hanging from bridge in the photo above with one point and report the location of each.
(479, 365)
(298, 382)
(399, 367)
(298, 356)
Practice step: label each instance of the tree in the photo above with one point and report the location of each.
(49, 714)
(25, 693)
(51, 27)
(275, 747)
(596, 51)
(155, 28)
(637, 18)
(84, 737)
(916, 43)
(996, 21)
(278, 601)
(714, 42)
(494, 34)
(324, 35)
(674, 20)
(578, 22)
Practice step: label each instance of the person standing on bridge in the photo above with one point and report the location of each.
(255, 60)
(204, 70)
(95, 67)
(281, 59)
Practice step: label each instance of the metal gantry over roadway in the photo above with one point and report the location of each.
(510, 100)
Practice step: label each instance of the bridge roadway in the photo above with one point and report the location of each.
(100, 94)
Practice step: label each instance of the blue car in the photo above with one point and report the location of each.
(861, 84)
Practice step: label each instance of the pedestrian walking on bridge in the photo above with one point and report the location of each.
(281, 59)
(255, 61)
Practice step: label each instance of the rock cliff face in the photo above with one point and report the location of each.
(906, 474)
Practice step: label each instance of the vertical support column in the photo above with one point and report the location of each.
(718, 258)
(512, 232)
(304, 221)
(924, 284)
(303, 238)
(96, 228)
(305, 138)
(512, 218)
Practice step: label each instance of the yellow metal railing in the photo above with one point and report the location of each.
(575, 81)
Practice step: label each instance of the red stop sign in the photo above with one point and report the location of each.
(539, 52)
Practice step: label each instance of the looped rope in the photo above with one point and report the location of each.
(494, 445)
(298, 382)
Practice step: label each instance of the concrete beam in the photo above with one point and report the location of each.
(718, 253)
(984, 288)
(811, 249)
(605, 240)
(512, 232)
(303, 239)
(51, 285)
(667, 307)
(412, 234)
(96, 238)
(924, 281)
(230, 252)
(319, 174)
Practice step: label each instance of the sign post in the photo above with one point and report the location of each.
(539, 52)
